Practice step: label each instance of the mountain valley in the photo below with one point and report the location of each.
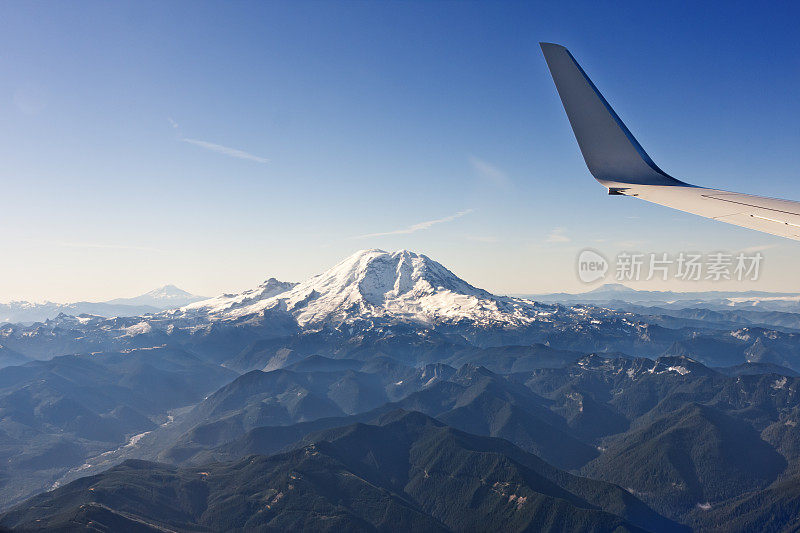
(387, 393)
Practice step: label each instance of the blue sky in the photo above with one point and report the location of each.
(212, 145)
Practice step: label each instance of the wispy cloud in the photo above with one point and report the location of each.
(418, 226)
(225, 150)
(558, 235)
(489, 172)
(214, 147)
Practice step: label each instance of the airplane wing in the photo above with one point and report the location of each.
(617, 160)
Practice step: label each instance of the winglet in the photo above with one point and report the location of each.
(613, 155)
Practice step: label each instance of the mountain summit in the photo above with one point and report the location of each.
(166, 297)
(616, 288)
(160, 299)
(400, 285)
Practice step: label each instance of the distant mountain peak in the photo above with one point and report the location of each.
(168, 291)
(158, 299)
(165, 297)
(612, 287)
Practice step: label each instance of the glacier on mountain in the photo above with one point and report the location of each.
(400, 285)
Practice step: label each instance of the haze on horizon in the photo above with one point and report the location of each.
(212, 145)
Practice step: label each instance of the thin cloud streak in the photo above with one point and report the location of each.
(489, 172)
(417, 227)
(214, 147)
(225, 150)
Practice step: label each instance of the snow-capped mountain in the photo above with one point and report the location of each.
(230, 303)
(614, 294)
(403, 305)
(162, 298)
(400, 285)
(166, 297)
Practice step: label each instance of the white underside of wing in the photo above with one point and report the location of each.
(770, 215)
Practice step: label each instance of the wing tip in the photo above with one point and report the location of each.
(610, 150)
(551, 46)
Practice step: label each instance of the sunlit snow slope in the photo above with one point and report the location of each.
(374, 283)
